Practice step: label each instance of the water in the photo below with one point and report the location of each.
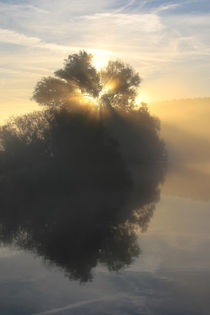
(167, 274)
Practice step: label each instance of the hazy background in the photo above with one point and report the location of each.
(186, 131)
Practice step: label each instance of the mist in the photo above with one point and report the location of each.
(186, 132)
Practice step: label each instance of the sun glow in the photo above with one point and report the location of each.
(143, 98)
(87, 99)
(100, 61)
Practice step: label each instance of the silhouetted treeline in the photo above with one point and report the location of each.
(77, 181)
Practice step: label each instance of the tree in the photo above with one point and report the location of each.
(114, 86)
(79, 71)
(53, 92)
(81, 186)
(120, 83)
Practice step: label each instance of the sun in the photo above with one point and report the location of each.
(100, 59)
(99, 62)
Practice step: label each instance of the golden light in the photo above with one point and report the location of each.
(78, 99)
(143, 97)
(87, 99)
(111, 85)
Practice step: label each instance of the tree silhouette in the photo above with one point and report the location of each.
(120, 83)
(79, 71)
(111, 92)
(52, 92)
(115, 85)
(75, 188)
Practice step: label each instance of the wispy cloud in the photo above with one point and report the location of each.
(143, 3)
(166, 7)
(128, 4)
(12, 37)
(9, 36)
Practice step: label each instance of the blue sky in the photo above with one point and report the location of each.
(168, 42)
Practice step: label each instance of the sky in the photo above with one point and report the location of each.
(166, 41)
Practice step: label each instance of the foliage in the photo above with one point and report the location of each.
(79, 71)
(121, 83)
(116, 85)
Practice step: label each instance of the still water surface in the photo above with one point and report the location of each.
(166, 270)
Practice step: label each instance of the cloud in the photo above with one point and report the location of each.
(150, 36)
(167, 7)
(146, 22)
(9, 36)
(127, 5)
(12, 37)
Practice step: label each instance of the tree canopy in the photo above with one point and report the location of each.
(115, 85)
